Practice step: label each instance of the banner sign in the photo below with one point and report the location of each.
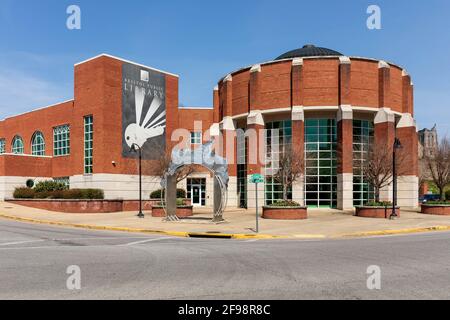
(143, 112)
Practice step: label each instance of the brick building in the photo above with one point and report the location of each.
(331, 105)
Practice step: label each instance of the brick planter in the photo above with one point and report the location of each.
(285, 213)
(376, 212)
(436, 209)
(182, 212)
(71, 206)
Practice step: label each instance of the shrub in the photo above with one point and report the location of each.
(378, 204)
(49, 186)
(42, 195)
(93, 194)
(69, 194)
(447, 195)
(438, 203)
(181, 193)
(285, 203)
(72, 194)
(180, 203)
(84, 194)
(23, 193)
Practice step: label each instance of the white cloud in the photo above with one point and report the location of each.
(21, 92)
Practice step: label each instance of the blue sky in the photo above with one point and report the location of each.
(204, 40)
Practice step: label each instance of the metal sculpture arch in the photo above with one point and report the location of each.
(205, 157)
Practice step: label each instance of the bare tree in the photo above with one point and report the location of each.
(439, 166)
(288, 168)
(162, 164)
(378, 168)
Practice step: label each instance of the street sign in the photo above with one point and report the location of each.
(257, 178)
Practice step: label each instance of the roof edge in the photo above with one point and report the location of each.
(311, 58)
(127, 61)
(38, 109)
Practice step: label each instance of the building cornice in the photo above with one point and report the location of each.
(350, 58)
(126, 61)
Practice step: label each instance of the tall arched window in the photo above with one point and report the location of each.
(38, 144)
(17, 145)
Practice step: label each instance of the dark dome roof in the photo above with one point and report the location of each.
(309, 51)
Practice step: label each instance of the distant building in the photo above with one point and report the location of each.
(428, 141)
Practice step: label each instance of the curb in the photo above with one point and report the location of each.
(235, 236)
(181, 234)
(396, 232)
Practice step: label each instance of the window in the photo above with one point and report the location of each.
(363, 135)
(17, 145)
(242, 167)
(61, 141)
(38, 144)
(196, 138)
(274, 188)
(2, 146)
(320, 163)
(88, 144)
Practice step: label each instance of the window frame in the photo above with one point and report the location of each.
(88, 159)
(17, 138)
(35, 147)
(63, 143)
(196, 138)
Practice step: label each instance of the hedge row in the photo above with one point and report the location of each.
(181, 194)
(50, 185)
(285, 203)
(26, 193)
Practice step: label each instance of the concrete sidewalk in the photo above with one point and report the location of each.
(321, 223)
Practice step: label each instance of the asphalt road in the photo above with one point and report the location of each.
(34, 261)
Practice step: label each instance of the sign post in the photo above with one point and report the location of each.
(256, 179)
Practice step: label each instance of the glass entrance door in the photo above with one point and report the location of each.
(196, 191)
(196, 195)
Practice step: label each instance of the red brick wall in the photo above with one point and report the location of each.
(97, 92)
(26, 125)
(345, 146)
(187, 117)
(396, 90)
(43, 120)
(240, 92)
(75, 206)
(410, 145)
(275, 86)
(317, 83)
(321, 82)
(25, 166)
(364, 84)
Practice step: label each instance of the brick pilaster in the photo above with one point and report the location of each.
(297, 83)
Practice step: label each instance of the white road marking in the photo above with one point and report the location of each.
(143, 241)
(100, 238)
(19, 242)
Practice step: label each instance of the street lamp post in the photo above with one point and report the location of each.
(133, 148)
(397, 145)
